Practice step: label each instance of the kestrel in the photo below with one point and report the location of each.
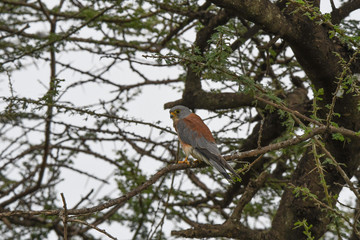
(197, 140)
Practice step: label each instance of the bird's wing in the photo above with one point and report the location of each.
(191, 128)
(193, 131)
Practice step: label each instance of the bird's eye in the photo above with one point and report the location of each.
(177, 111)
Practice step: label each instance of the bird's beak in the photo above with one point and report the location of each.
(172, 114)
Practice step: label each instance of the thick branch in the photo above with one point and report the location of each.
(224, 230)
(262, 12)
(342, 12)
(214, 101)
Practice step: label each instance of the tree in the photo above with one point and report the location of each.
(282, 73)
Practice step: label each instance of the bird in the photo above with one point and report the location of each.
(197, 140)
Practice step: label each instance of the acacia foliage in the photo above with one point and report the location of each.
(281, 76)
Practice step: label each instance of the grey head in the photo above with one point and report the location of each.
(179, 112)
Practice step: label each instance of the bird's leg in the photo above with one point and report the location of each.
(184, 161)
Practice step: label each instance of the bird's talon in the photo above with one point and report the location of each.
(184, 161)
(181, 162)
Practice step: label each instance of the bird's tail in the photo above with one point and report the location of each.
(217, 161)
(220, 168)
(221, 165)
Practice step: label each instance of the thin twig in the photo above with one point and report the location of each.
(61, 38)
(339, 169)
(94, 227)
(324, 205)
(261, 129)
(161, 223)
(64, 216)
(108, 204)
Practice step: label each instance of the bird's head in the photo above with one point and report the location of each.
(179, 112)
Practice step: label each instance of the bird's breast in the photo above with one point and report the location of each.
(187, 148)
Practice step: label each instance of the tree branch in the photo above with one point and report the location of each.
(108, 204)
(263, 12)
(342, 12)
